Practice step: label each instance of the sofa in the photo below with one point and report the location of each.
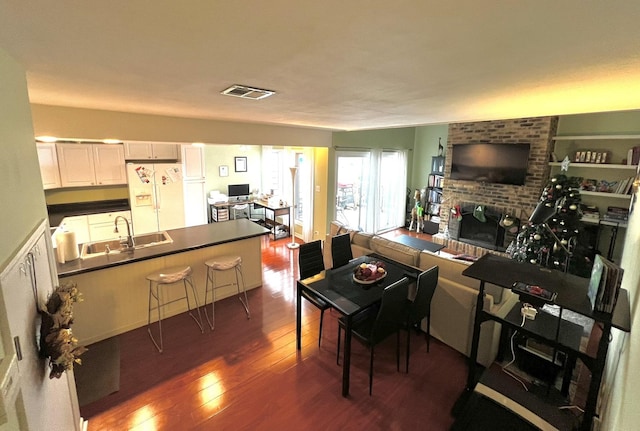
(454, 301)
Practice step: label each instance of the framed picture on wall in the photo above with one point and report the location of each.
(224, 170)
(241, 164)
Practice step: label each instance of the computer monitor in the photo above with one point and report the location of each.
(238, 191)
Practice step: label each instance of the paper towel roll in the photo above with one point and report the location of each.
(67, 246)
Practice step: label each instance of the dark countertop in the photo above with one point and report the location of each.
(185, 239)
(59, 211)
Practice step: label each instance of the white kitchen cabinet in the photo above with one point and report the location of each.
(195, 203)
(83, 165)
(76, 165)
(48, 158)
(150, 151)
(102, 225)
(26, 282)
(109, 164)
(192, 162)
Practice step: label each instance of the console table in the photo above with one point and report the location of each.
(271, 212)
(571, 295)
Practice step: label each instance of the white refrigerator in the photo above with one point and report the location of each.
(156, 196)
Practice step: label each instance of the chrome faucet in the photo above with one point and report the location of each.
(129, 237)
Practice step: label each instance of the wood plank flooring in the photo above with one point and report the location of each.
(247, 374)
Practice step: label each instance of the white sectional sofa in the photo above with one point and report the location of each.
(455, 298)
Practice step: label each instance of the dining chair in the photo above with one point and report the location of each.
(373, 328)
(420, 307)
(310, 263)
(341, 250)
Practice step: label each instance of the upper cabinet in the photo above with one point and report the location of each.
(150, 151)
(193, 162)
(48, 159)
(84, 165)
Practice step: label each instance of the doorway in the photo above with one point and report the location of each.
(370, 189)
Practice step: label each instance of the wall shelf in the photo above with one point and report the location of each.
(593, 137)
(596, 165)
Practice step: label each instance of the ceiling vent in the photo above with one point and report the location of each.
(247, 92)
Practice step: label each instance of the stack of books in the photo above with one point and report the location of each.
(616, 214)
(590, 213)
(604, 284)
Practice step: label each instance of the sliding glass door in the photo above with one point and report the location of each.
(370, 189)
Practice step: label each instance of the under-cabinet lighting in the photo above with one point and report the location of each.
(111, 141)
(197, 144)
(48, 139)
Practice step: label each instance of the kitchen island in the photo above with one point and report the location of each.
(115, 290)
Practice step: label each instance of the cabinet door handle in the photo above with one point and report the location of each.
(16, 343)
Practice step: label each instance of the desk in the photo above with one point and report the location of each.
(337, 288)
(572, 295)
(271, 212)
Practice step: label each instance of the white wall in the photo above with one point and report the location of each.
(623, 412)
(23, 206)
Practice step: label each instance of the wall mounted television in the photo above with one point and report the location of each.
(490, 163)
(238, 190)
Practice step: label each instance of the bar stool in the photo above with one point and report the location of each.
(163, 278)
(220, 264)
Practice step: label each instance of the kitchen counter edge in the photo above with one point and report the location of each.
(184, 239)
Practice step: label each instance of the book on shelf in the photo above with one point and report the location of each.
(604, 284)
(633, 155)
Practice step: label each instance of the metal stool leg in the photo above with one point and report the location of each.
(210, 281)
(195, 298)
(245, 303)
(158, 307)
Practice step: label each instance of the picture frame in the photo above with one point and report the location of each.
(223, 170)
(240, 164)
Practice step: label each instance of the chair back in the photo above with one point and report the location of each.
(310, 259)
(392, 314)
(341, 250)
(426, 287)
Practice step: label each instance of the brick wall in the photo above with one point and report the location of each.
(517, 200)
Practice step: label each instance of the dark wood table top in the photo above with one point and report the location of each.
(418, 243)
(347, 296)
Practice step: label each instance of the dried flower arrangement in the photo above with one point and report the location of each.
(56, 340)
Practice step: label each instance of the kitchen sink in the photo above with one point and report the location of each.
(151, 239)
(100, 248)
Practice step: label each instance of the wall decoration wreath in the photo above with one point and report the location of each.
(56, 340)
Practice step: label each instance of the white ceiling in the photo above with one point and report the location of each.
(343, 65)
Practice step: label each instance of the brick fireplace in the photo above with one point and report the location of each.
(518, 201)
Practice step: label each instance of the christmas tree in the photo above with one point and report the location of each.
(568, 251)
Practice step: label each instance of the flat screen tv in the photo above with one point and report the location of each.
(490, 163)
(238, 190)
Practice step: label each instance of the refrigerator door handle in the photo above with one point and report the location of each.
(158, 195)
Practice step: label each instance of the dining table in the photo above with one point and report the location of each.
(349, 297)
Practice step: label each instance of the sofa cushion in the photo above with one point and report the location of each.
(362, 239)
(394, 250)
(451, 269)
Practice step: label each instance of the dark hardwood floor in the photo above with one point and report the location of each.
(247, 374)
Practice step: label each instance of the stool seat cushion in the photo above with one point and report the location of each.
(170, 275)
(222, 263)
